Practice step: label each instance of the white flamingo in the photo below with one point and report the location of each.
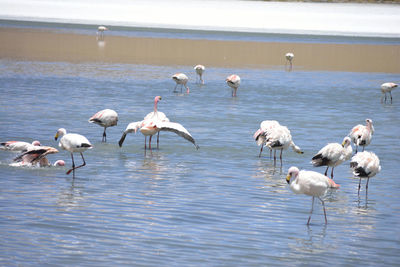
(310, 183)
(153, 123)
(260, 135)
(18, 146)
(105, 118)
(73, 143)
(36, 155)
(199, 71)
(279, 137)
(289, 57)
(181, 79)
(333, 154)
(365, 165)
(387, 88)
(362, 135)
(101, 30)
(233, 81)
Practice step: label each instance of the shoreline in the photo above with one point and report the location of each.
(40, 44)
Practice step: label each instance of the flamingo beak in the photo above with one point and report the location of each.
(288, 178)
(56, 137)
(343, 143)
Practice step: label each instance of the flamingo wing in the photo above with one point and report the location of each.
(178, 129)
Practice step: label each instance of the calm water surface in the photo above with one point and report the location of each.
(218, 206)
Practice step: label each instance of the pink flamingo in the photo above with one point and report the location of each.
(362, 135)
(181, 79)
(387, 88)
(199, 71)
(36, 155)
(18, 146)
(153, 123)
(105, 118)
(233, 81)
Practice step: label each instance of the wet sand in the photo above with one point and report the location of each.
(47, 45)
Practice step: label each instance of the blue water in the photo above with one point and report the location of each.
(220, 205)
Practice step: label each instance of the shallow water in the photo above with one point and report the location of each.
(220, 205)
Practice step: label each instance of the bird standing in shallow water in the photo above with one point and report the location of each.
(105, 118)
(233, 81)
(310, 183)
(18, 146)
(181, 79)
(333, 154)
(362, 135)
(260, 135)
(365, 165)
(289, 57)
(387, 88)
(73, 143)
(101, 30)
(199, 71)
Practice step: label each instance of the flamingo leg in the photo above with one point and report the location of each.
(323, 205)
(366, 187)
(175, 87)
(270, 153)
(312, 208)
(332, 172)
(73, 165)
(145, 141)
(158, 139)
(150, 142)
(326, 171)
(359, 186)
(259, 155)
(104, 139)
(391, 99)
(280, 157)
(201, 79)
(274, 157)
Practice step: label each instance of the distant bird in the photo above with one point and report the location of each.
(181, 79)
(333, 154)
(73, 143)
(18, 146)
(310, 183)
(101, 30)
(105, 118)
(233, 81)
(387, 88)
(36, 155)
(153, 123)
(279, 137)
(365, 165)
(289, 58)
(199, 70)
(260, 135)
(361, 135)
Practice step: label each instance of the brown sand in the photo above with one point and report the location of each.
(45, 45)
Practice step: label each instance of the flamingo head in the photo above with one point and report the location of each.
(60, 133)
(157, 98)
(36, 143)
(59, 163)
(292, 172)
(346, 141)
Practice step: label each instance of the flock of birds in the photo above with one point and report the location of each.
(271, 134)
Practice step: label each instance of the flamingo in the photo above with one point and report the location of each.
(289, 57)
(18, 146)
(259, 135)
(73, 143)
(36, 155)
(59, 162)
(361, 135)
(153, 123)
(199, 71)
(310, 183)
(387, 88)
(365, 165)
(333, 154)
(101, 30)
(279, 137)
(233, 81)
(105, 118)
(181, 79)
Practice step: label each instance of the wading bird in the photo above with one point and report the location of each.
(333, 154)
(18, 146)
(199, 71)
(105, 118)
(181, 79)
(310, 183)
(233, 81)
(361, 135)
(387, 88)
(365, 165)
(289, 57)
(260, 135)
(73, 143)
(154, 123)
(101, 30)
(36, 155)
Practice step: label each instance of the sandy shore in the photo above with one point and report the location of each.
(46, 45)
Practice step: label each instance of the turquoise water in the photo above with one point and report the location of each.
(220, 205)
